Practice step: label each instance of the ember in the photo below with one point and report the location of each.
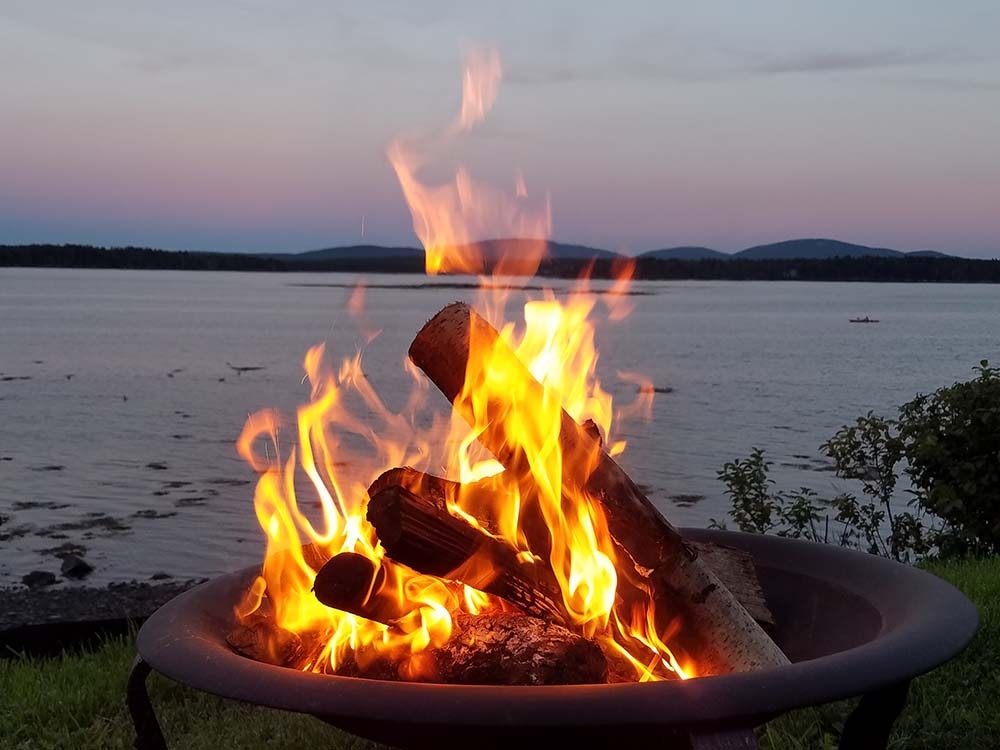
(543, 545)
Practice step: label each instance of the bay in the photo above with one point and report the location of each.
(121, 393)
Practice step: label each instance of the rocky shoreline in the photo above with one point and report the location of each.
(25, 610)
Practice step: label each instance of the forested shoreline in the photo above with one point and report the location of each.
(869, 268)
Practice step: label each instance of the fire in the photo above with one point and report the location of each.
(450, 218)
(346, 436)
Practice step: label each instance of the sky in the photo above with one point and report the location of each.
(262, 125)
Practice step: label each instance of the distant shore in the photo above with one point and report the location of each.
(903, 268)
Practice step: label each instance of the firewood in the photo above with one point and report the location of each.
(409, 511)
(455, 347)
(738, 573)
(350, 582)
(497, 648)
(259, 638)
(493, 648)
(506, 648)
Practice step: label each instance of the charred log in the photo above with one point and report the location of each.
(493, 648)
(511, 649)
(351, 583)
(409, 511)
(497, 648)
(259, 638)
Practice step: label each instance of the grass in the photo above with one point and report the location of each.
(955, 706)
(76, 701)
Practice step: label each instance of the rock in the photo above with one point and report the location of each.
(37, 579)
(160, 576)
(66, 549)
(76, 567)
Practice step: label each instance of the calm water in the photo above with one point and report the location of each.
(119, 412)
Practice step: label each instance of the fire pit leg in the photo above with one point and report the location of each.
(148, 735)
(869, 725)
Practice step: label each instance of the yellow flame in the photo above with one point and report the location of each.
(451, 218)
(345, 436)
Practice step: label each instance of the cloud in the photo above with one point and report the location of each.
(688, 64)
(834, 61)
(954, 85)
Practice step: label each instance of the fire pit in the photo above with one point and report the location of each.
(852, 624)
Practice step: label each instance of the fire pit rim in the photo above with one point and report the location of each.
(925, 621)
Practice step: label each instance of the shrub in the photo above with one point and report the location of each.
(951, 440)
(757, 508)
(949, 443)
(869, 452)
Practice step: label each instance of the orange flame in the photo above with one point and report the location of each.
(346, 437)
(452, 218)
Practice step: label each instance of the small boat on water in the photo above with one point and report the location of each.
(865, 319)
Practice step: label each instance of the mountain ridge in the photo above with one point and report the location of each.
(794, 249)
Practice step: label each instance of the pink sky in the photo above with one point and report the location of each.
(258, 126)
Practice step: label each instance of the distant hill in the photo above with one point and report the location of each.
(491, 250)
(928, 254)
(811, 249)
(816, 249)
(685, 253)
(824, 249)
(555, 250)
(350, 252)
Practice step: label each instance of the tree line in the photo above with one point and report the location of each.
(869, 268)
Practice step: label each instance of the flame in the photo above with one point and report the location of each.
(345, 436)
(480, 82)
(452, 218)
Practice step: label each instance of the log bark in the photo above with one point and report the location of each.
(452, 349)
(507, 648)
(738, 573)
(409, 511)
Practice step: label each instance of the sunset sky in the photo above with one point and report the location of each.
(262, 125)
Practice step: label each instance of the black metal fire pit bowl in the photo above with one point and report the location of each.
(852, 624)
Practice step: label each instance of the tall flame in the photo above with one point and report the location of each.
(346, 436)
(451, 218)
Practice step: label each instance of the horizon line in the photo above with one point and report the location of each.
(419, 248)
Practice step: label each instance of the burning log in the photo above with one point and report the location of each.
(456, 347)
(409, 512)
(493, 648)
(506, 648)
(351, 583)
(258, 637)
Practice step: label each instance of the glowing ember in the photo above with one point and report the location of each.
(346, 437)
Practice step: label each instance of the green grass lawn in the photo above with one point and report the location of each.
(77, 701)
(955, 706)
